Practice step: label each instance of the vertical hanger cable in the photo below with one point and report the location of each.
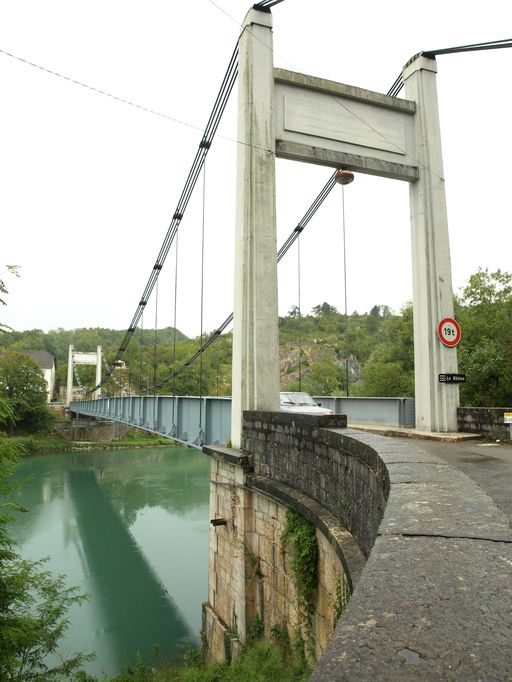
(345, 283)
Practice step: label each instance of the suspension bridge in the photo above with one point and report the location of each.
(284, 114)
(339, 479)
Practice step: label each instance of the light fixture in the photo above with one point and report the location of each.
(344, 176)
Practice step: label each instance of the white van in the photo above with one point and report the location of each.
(301, 403)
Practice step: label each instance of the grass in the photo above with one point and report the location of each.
(42, 443)
(260, 662)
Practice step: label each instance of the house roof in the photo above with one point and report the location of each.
(44, 359)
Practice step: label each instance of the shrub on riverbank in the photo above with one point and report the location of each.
(259, 662)
(42, 443)
(33, 603)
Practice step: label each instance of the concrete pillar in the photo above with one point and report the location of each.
(97, 393)
(436, 403)
(69, 388)
(255, 329)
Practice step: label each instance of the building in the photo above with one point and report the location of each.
(48, 365)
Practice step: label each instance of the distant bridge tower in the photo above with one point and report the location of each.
(76, 358)
(304, 118)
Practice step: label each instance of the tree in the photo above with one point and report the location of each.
(23, 387)
(325, 309)
(484, 311)
(385, 379)
(33, 603)
(390, 368)
(13, 270)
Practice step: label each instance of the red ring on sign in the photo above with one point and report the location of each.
(449, 342)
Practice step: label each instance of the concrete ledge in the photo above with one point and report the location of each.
(434, 599)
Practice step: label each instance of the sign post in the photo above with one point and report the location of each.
(507, 419)
(452, 378)
(449, 332)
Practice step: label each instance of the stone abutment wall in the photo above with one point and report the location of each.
(286, 463)
(433, 601)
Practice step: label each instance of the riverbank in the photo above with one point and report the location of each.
(260, 660)
(41, 444)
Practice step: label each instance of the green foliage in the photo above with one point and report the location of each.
(259, 662)
(385, 378)
(33, 603)
(324, 310)
(23, 390)
(342, 597)
(256, 630)
(377, 347)
(389, 370)
(484, 311)
(299, 540)
(12, 270)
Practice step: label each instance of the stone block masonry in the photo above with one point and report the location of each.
(487, 421)
(434, 600)
(249, 576)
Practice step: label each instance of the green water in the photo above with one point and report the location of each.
(130, 528)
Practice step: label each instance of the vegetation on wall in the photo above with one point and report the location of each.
(299, 540)
(343, 593)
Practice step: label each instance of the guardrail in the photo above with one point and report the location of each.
(382, 411)
(188, 419)
(207, 421)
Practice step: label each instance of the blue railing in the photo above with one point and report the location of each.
(187, 419)
(207, 421)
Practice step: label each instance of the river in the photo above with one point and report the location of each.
(130, 528)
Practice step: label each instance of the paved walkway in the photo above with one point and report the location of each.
(434, 602)
(488, 464)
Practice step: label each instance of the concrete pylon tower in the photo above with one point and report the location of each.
(309, 119)
(76, 358)
(436, 403)
(255, 329)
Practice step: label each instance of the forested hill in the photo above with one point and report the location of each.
(318, 351)
(57, 341)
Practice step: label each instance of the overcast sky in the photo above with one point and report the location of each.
(89, 184)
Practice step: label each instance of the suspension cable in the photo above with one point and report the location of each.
(345, 283)
(202, 312)
(489, 45)
(324, 192)
(431, 54)
(156, 328)
(299, 313)
(266, 4)
(226, 88)
(140, 355)
(204, 146)
(173, 402)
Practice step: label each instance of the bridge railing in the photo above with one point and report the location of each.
(207, 420)
(188, 419)
(381, 411)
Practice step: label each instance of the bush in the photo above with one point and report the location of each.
(33, 603)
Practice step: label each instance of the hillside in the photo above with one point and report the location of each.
(319, 352)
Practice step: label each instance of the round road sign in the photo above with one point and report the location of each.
(449, 331)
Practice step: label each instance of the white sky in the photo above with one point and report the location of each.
(89, 184)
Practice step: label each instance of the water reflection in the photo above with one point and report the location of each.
(131, 528)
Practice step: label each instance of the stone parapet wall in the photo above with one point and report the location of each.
(315, 456)
(487, 421)
(433, 601)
